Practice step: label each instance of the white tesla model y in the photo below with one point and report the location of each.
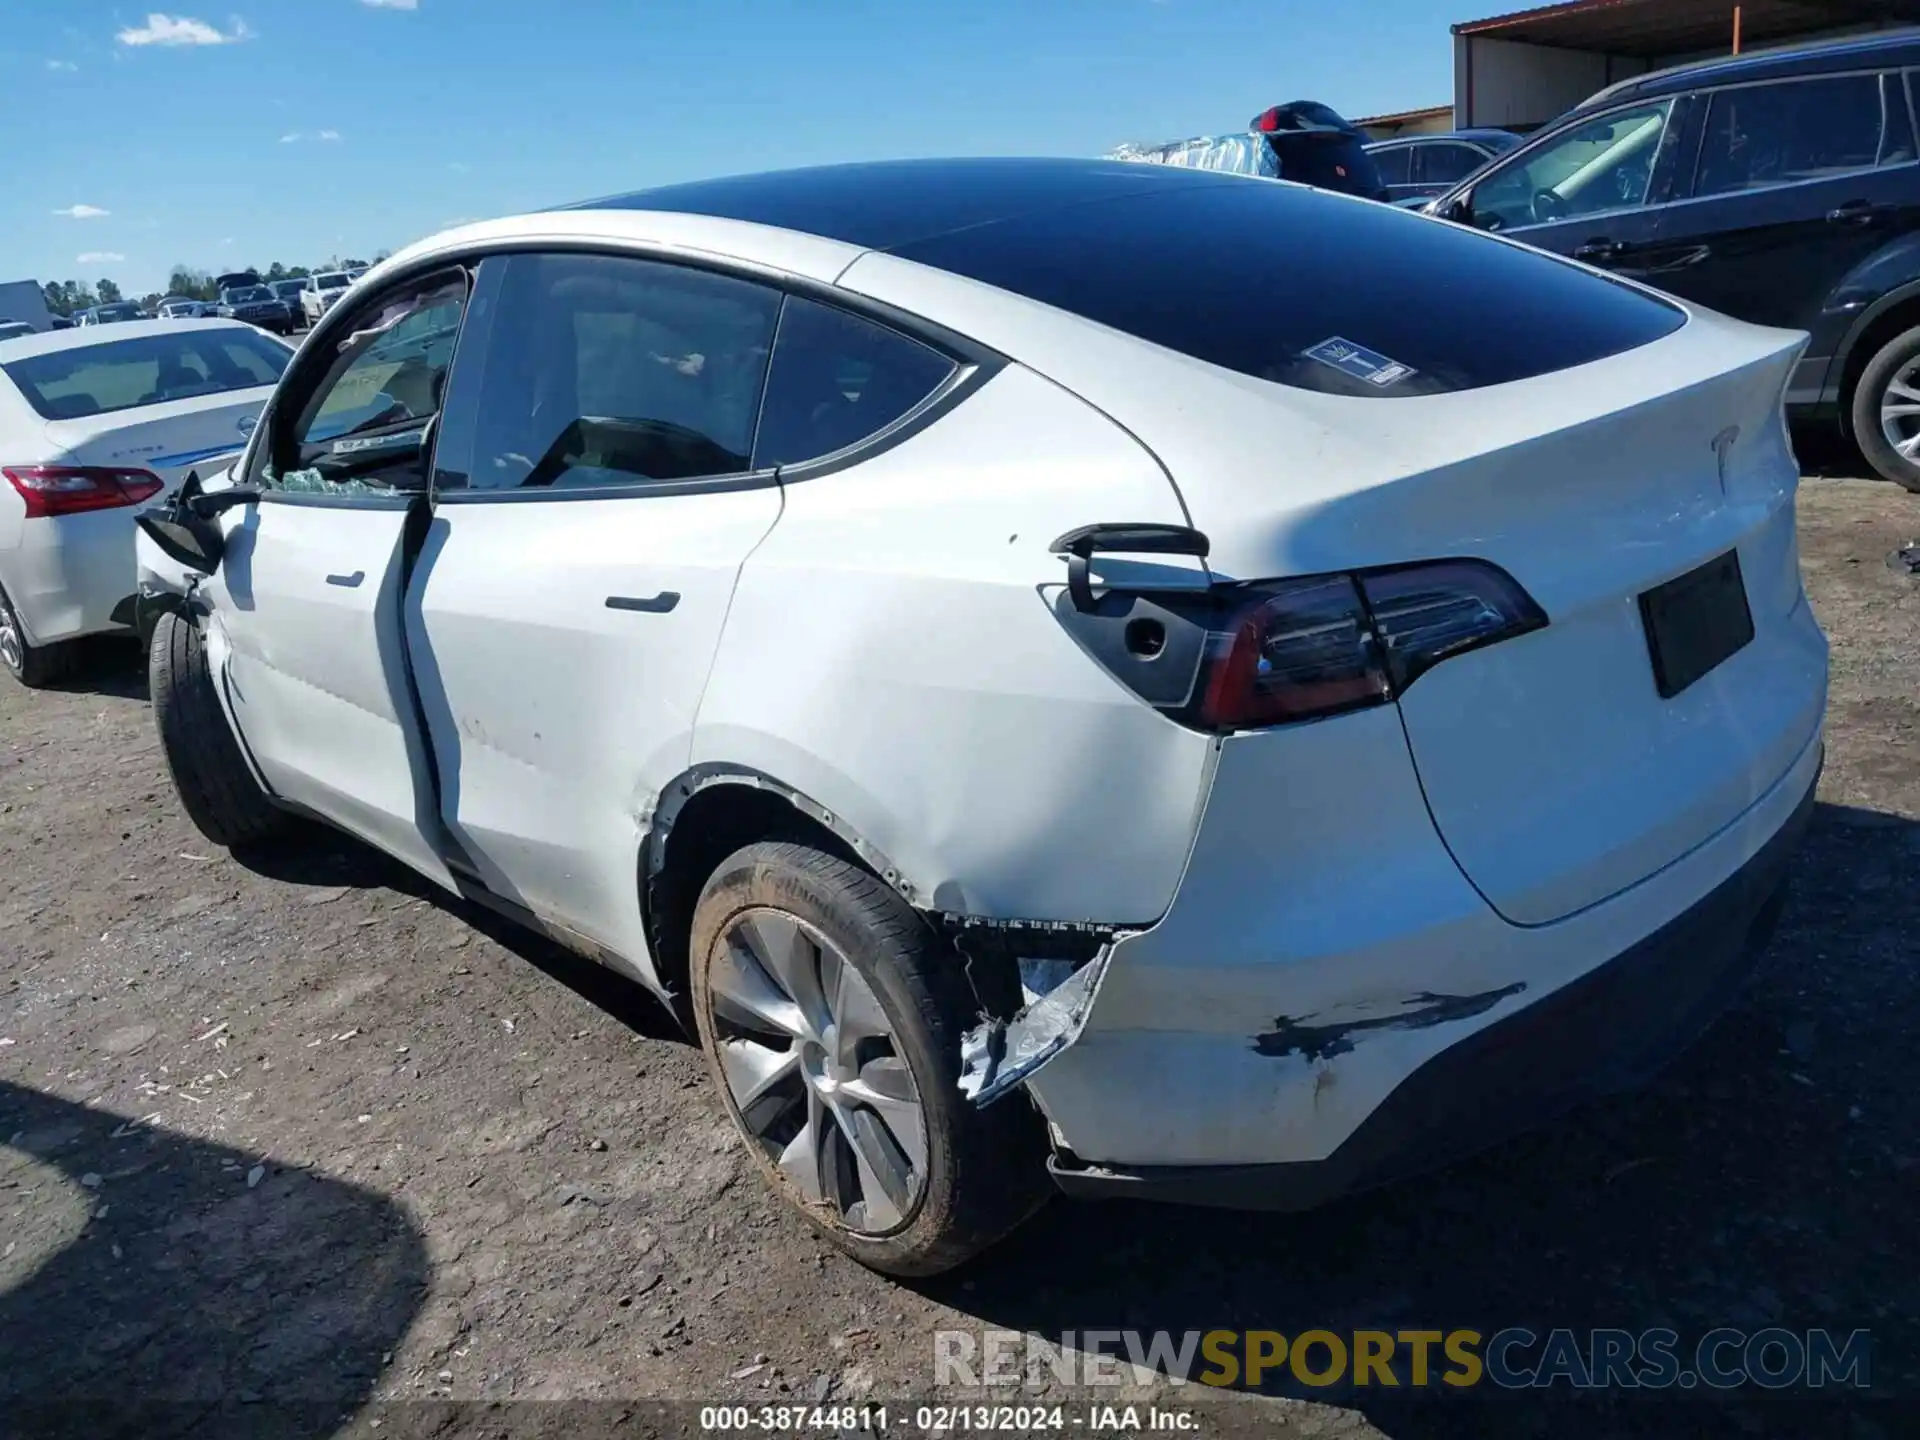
(1069, 674)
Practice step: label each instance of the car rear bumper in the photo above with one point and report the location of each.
(1609, 1030)
(1323, 950)
(72, 575)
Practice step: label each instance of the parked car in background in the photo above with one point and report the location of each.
(94, 423)
(1422, 166)
(1305, 142)
(179, 307)
(256, 305)
(911, 613)
(14, 329)
(319, 292)
(288, 293)
(1781, 187)
(119, 312)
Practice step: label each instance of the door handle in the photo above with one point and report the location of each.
(1595, 251)
(648, 604)
(347, 581)
(1855, 212)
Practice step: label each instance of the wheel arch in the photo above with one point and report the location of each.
(1896, 311)
(711, 810)
(704, 815)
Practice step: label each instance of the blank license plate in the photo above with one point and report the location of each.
(1695, 621)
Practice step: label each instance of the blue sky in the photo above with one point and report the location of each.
(298, 129)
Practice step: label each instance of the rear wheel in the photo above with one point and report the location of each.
(1886, 410)
(832, 1019)
(218, 792)
(32, 665)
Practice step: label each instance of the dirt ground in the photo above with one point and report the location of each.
(293, 1146)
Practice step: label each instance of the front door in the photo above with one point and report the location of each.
(1591, 192)
(306, 601)
(1797, 182)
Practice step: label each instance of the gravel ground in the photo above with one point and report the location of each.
(294, 1146)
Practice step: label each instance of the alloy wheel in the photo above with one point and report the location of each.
(1900, 411)
(12, 651)
(815, 1076)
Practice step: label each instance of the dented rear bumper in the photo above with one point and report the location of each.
(1607, 1031)
(1338, 1007)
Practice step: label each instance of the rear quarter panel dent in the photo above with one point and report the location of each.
(888, 655)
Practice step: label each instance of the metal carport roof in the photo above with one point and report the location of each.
(1664, 28)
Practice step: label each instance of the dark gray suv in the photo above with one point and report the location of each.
(1780, 187)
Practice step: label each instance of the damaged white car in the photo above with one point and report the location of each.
(1069, 674)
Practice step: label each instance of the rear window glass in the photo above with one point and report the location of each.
(1281, 283)
(150, 370)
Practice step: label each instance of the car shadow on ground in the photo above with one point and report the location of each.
(186, 1287)
(316, 856)
(1676, 1206)
(105, 665)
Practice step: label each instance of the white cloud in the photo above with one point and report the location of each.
(391, 4)
(290, 139)
(83, 212)
(182, 30)
(99, 257)
(227, 240)
(62, 67)
(328, 135)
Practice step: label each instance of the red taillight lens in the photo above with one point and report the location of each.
(1425, 613)
(51, 490)
(1301, 649)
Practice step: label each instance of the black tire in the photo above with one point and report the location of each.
(32, 665)
(985, 1168)
(216, 789)
(1864, 409)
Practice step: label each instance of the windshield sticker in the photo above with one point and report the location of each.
(1358, 361)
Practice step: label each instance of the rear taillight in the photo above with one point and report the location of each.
(51, 490)
(1301, 649)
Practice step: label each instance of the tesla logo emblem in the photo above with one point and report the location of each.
(1722, 443)
(245, 424)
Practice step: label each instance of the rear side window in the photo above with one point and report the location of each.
(837, 379)
(598, 370)
(1760, 135)
(1310, 290)
(150, 370)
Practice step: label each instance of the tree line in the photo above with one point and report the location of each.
(70, 297)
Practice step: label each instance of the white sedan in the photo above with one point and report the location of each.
(95, 422)
(1068, 675)
(320, 293)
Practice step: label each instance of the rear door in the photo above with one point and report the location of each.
(306, 600)
(594, 499)
(1795, 182)
(1395, 164)
(1592, 190)
(1439, 165)
(608, 467)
